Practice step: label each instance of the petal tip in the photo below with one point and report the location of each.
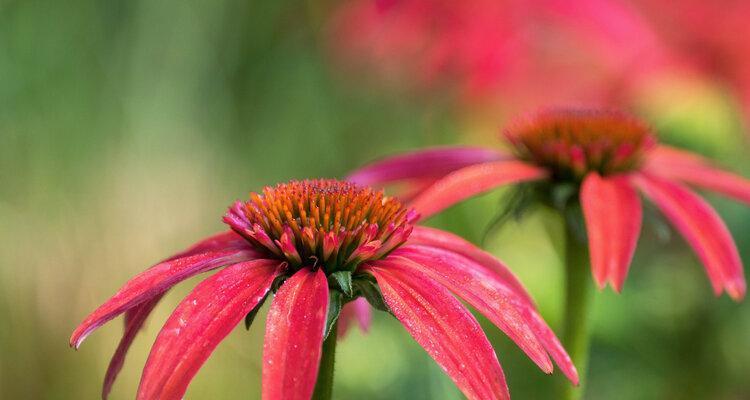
(573, 377)
(547, 368)
(737, 290)
(600, 282)
(76, 340)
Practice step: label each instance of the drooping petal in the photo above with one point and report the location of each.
(154, 281)
(613, 214)
(134, 320)
(445, 240)
(199, 323)
(443, 327)
(357, 310)
(498, 303)
(702, 228)
(294, 336)
(696, 170)
(496, 299)
(136, 316)
(471, 181)
(430, 163)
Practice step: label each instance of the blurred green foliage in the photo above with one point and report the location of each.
(127, 127)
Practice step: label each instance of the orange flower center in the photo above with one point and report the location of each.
(325, 223)
(571, 143)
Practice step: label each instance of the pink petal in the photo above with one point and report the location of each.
(445, 240)
(430, 163)
(134, 320)
(497, 302)
(695, 170)
(136, 316)
(613, 214)
(199, 323)
(473, 180)
(448, 241)
(443, 327)
(552, 344)
(702, 228)
(154, 281)
(496, 299)
(357, 309)
(294, 336)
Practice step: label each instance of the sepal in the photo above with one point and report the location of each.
(335, 304)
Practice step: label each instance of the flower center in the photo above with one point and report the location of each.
(322, 223)
(571, 143)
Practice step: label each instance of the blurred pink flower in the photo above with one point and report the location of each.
(707, 37)
(519, 53)
(319, 245)
(607, 156)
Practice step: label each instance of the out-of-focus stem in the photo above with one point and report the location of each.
(578, 298)
(324, 385)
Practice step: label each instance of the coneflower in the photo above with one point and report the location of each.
(318, 247)
(590, 165)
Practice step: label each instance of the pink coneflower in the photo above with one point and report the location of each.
(590, 166)
(320, 246)
(608, 156)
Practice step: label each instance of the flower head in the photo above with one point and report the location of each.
(323, 249)
(572, 143)
(322, 223)
(608, 157)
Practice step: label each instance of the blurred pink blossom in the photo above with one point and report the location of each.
(708, 38)
(518, 54)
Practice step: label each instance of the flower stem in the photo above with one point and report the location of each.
(578, 296)
(324, 385)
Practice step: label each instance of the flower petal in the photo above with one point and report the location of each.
(154, 281)
(473, 180)
(199, 323)
(696, 170)
(430, 163)
(448, 241)
(443, 327)
(357, 309)
(613, 214)
(496, 299)
(134, 320)
(702, 228)
(136, 316)
(445, 240)
(294, 336)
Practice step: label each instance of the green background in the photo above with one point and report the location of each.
(126, 128)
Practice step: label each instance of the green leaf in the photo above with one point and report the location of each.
(371, 291)
(344, 281)
(250, 317)
(335, 303)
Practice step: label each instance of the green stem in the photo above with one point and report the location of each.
(324, 385)
(578, 297)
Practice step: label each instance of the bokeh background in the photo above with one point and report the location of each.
(126, 128)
